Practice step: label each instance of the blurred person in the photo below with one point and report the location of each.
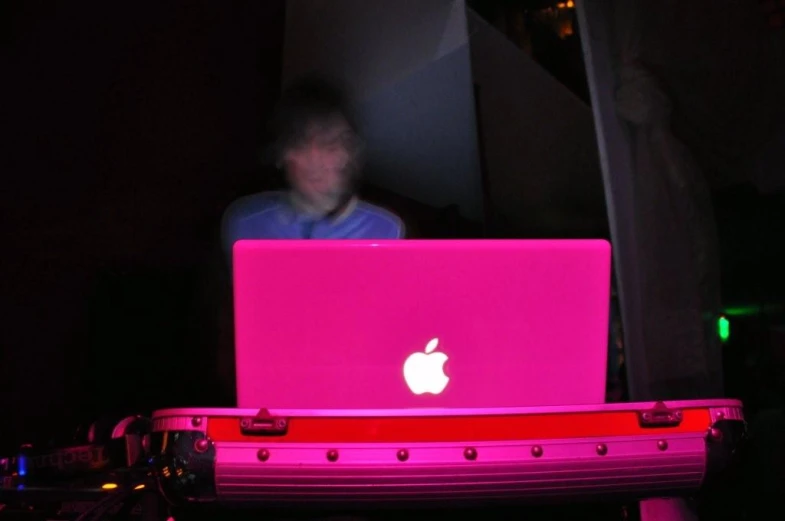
(321, 154)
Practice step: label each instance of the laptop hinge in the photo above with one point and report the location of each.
(660, 416)
(264, 424)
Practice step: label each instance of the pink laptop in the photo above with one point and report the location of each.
(420, 324)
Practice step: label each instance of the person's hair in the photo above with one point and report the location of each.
(312, 101)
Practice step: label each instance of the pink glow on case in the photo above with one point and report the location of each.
(598, 454)
(330, 324)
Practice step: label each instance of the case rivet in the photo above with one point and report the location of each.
(201, 445)
(470, 453)
(332, 455)
(536, 451)
(715, 434)
(196, 421)
(263, 454)
(720, 415)
(662, 445)
(602, 449)
(403, 455)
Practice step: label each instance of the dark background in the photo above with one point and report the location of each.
(127, 131)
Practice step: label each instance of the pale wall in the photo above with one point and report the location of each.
(539, 142)
(407, 63)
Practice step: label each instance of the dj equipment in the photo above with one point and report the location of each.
(204, 461)
(105, 473)
(351, 411)
(290, 459)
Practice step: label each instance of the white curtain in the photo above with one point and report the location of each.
(677, 235)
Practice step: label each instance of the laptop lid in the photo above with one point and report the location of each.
(401, 324)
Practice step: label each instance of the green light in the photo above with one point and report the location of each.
(723, 329)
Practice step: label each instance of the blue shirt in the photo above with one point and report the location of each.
(271, 215)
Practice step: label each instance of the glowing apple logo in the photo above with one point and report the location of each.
(424, 372)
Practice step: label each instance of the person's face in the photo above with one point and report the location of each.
(317, 164)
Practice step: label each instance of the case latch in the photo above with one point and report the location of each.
(660, 416)
(264, 424)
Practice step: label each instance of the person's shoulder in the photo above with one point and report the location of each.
(387, 223)
(255, 205)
